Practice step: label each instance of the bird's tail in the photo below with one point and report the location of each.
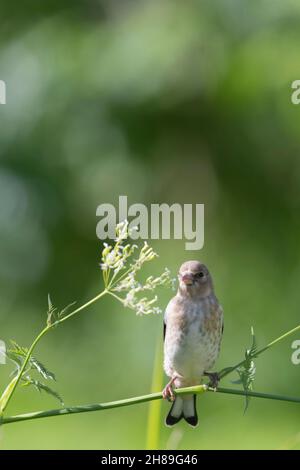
(183, 407)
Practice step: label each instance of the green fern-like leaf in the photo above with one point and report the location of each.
(65, 310)
(18, 353)
(41, 369)
(51, 312)
(29, 381)
(248, 370)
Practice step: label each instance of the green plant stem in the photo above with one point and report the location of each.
(82, 307)
(228, 370)
(268, 396)
(115, 296)
(136, 400)
(40, 336)
(155, 396)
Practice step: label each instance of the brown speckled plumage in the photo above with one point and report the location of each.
(194, 326)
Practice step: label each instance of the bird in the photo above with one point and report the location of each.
(193, 329)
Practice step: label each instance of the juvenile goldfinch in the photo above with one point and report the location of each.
(193, 327)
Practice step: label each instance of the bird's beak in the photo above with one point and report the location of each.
(187, 279)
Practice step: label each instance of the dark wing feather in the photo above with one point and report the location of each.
(165, 319)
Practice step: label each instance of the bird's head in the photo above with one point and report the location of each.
(194, 280)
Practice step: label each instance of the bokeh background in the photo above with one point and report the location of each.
(169, 101)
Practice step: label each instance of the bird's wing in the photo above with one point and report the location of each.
(166, 317)
(165, 322)
(217, 312)
(169, 310)
(220, 312)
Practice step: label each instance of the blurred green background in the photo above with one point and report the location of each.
(167, 101)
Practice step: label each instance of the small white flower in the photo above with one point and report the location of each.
(121, 231)
(117, 258)
(129, 299)
(156, 310)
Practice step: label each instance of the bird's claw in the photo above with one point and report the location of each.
(168, 393)
(214, 379)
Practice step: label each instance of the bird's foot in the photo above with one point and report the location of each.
(214, 379)
(168, 392)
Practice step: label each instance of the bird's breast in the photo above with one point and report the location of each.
(193, 338)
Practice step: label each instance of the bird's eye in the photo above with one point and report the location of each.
(200, 274)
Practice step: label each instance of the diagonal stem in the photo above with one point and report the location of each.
(39, 337)
(228, 370)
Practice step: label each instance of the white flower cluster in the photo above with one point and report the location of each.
(116, 259)
(130, 283)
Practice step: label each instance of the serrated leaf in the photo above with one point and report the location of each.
(18, 350)
(41, 369)
(51, 313)
(18, 353)
(42, 387)
(64, 311)
(253, 350)
(247, 371)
